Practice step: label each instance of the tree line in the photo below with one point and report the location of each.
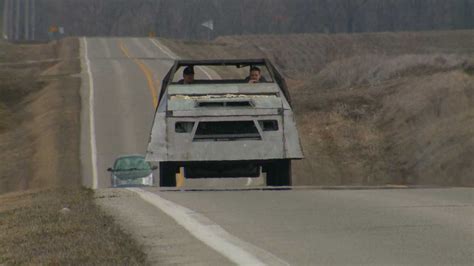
(183, 18)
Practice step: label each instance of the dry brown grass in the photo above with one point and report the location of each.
(301, 56)
(40, 106)
(39, 139)
(418, 109)
(375, 108)
(34, 231)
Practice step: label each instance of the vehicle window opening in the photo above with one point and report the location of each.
(183, 127)
(269, 125)
(224, 104)
(227, 131)
(239, 104)
(231, 73)
(211, 104)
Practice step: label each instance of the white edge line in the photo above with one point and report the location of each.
(173, 56)
(218, 241)
(160, 46)
(209, 232)
(93, 144)
(205, 72)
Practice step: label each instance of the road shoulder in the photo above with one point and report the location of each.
(164, 241)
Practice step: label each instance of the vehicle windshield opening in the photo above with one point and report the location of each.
(226, 131)
(210, 74)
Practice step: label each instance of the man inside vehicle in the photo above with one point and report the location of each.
(255, 75)
(188, 76)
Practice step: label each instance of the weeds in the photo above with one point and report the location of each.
(365, 102)
(35, 231)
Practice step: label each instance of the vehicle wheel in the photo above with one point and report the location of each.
(168, 174)
(279, 173)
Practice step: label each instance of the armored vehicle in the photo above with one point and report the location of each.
(225, 124)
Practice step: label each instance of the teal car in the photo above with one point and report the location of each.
(131, 170)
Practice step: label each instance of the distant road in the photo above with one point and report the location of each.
(123, 103)
(297, 227)
(125, 79)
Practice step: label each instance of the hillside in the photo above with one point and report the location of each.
(39, 111)
(385, 108)
(46, 217)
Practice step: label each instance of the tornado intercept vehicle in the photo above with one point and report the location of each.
(223, 125)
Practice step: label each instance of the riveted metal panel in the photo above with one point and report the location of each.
(158, 146)
(208, 89)
(185, 149)
(189, 103)
(179, 103)
(291, 138)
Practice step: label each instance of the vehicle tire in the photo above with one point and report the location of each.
(168, 174)
(279, 173)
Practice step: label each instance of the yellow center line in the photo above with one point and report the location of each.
(148, 74)
(151, 85)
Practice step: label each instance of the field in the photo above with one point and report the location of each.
(40, 106)
(378, 108)
(61, 226)
(372, 109)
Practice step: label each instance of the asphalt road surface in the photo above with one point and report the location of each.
(122, 106)
(344, 227)
(121, 78)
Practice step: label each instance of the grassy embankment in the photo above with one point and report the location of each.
(39, 139)
(378, 108)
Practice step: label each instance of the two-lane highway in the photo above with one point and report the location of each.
(346, 227)
(121, 83)
(118, 102)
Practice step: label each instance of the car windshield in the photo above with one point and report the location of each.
(131, 163)
(131, 167)
(230, 73)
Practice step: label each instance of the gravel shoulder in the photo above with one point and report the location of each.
(164, 241)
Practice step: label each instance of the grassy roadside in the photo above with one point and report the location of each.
(37, 229)
(40, 172)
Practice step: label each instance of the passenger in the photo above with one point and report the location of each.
(188, 76)
(255, 76)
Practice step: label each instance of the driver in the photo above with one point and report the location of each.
(188, 76)
(255, 75)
